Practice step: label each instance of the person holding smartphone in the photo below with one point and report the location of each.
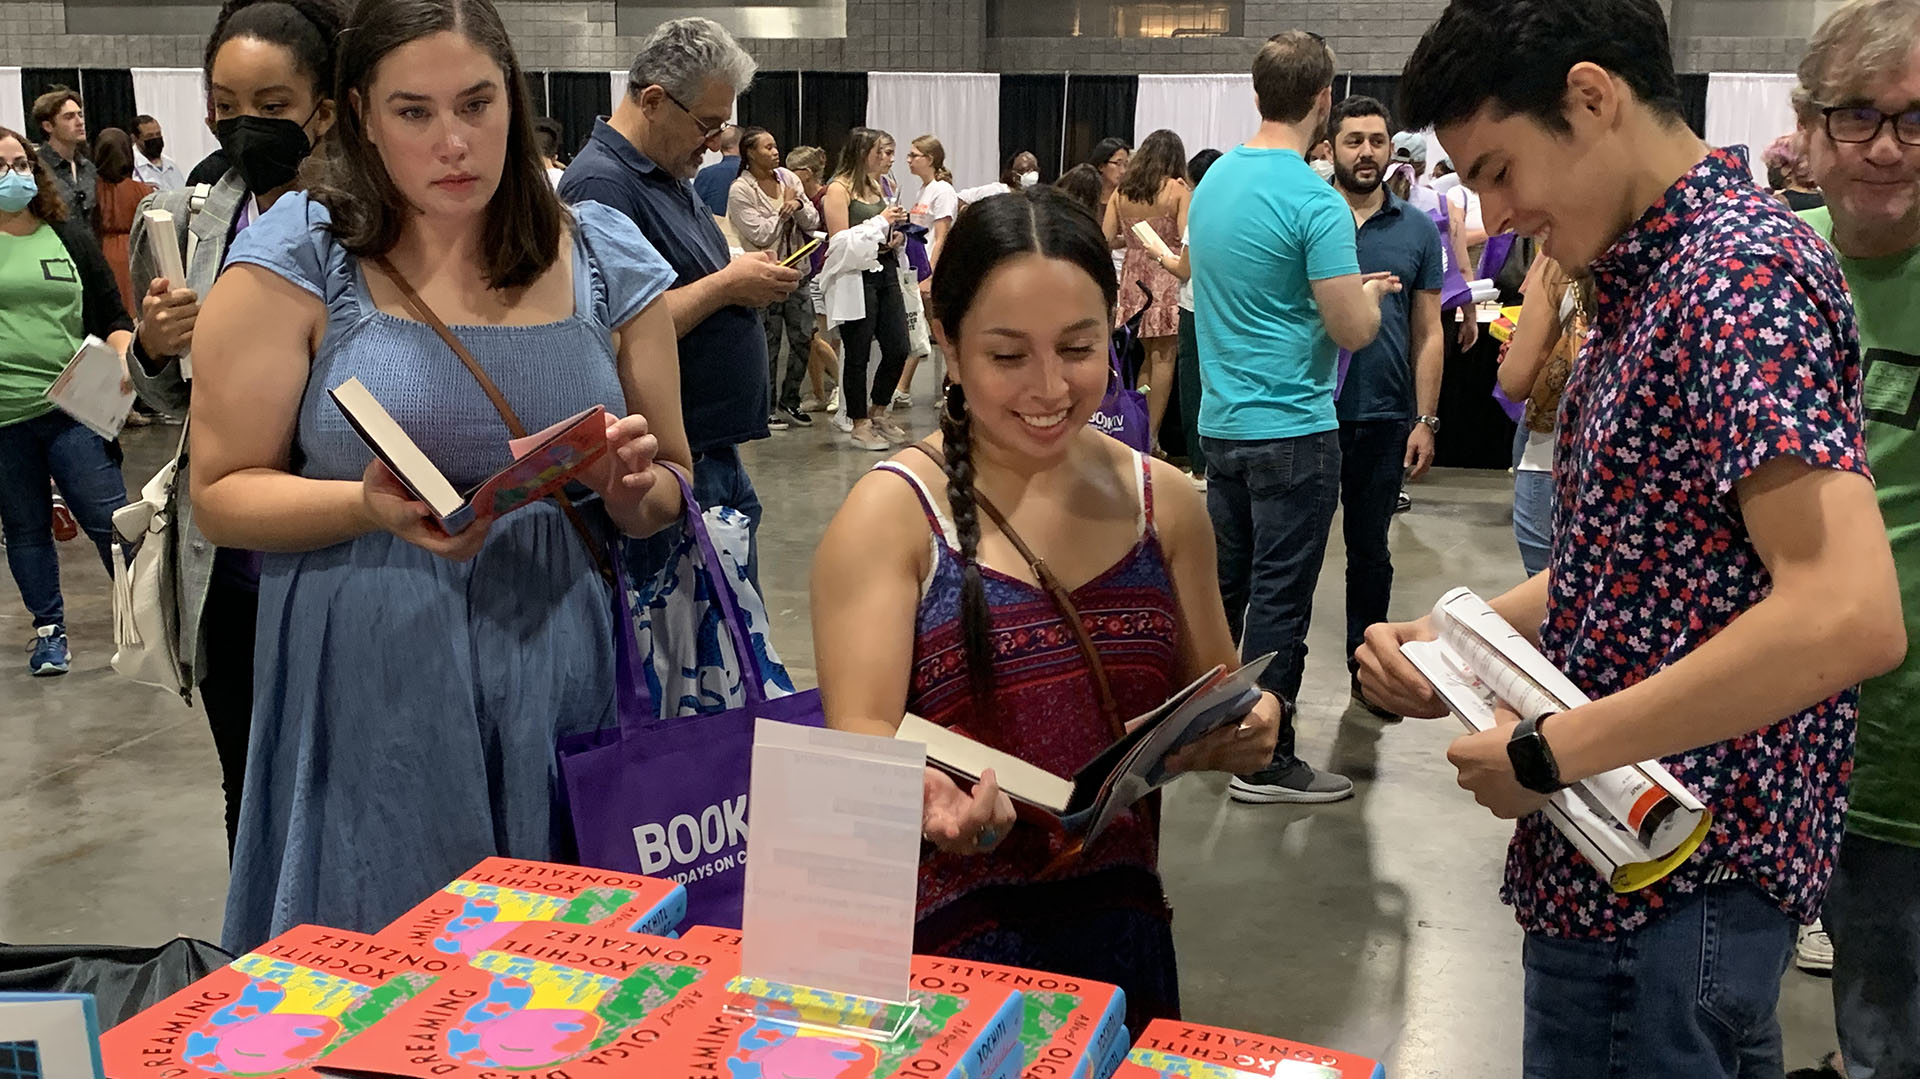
(770, 212)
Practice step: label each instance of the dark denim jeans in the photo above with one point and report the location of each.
(1272, 506)
(56, 447)
(719, 479)
(790, 320)
(1873, 916)
(1691, 994)
(1373, 456)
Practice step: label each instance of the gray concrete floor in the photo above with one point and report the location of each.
(1371, 925)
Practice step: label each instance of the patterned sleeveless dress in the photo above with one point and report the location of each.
(1102, 916)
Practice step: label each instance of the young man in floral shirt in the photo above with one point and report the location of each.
(1718, 560)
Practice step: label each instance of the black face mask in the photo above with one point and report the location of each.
(266, 151)
(152, 147)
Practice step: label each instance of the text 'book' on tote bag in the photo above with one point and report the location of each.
(665, 794)
(1123, 412)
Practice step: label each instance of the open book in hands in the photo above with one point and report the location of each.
(1635, 824)
(1123, 773)
(542, 462)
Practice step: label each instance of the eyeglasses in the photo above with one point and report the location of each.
(23, 166)
(707, 131)
(1862, 123)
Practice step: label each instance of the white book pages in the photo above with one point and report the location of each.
(94, 389)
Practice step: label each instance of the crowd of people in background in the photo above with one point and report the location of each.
(1297, 294)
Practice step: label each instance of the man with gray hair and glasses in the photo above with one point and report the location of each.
(642, 161)
(1858, 104)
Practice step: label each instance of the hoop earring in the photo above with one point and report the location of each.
(956, 402)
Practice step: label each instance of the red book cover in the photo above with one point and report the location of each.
(711, 934)
(275, 1011)
(500, 894)
(1169, 1048)
(964, 1029)
(546, 1001)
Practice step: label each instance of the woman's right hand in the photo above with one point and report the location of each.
(392, 507)
(895, 214)
(960, 822)
(167, 316)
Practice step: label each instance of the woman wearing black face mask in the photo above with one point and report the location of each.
(269, 71)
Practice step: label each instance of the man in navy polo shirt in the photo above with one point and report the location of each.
(1389, 399)
(642, 161)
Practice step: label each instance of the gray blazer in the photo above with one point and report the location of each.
(167, 390)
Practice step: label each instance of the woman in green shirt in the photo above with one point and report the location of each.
(59, 290)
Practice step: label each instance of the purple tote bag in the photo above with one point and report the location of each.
(668, 797)
(1123, 413)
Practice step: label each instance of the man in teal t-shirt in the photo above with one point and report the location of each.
(1867, 162)
(1277, 293)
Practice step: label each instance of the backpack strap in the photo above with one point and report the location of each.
(196, 202)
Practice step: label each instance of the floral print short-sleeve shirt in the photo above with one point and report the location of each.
(1724, 338)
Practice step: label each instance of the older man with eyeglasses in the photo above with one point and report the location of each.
(1859, 109)
(642, 161)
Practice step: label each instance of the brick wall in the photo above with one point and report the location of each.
(1371, 37)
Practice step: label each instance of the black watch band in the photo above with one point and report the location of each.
(1532, 758)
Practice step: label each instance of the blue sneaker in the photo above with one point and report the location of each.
(50, 654)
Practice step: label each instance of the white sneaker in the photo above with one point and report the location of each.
(833, 400)
(1813, 949)
(842, 424)
(866, 438)
(810, 403)
(902, 399)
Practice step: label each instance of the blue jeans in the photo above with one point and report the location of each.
(1873, 916)
(1691, 994)
(1373, 457)
(1532, 511)
(1272, 506)
(719, 479)
(56, 447)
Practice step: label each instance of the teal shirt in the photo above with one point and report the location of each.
(1262, 228)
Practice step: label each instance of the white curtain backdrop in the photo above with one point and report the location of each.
(962, 111)
(1206, 111)
(1749, 110)
(177, 98)
(13, 111)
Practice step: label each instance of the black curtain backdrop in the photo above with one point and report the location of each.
(537, 90)
(1693, 102)
(1382, 88)
(832, 103)
(576, 99)
(1030, 111)
(35, 81)
(108, 94)
(773, 102)
(1098, 107)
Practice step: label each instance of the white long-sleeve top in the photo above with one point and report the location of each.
(850, 253)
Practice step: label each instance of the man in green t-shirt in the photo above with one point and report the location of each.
(1859, 110)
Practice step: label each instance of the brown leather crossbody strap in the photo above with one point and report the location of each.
(1109, 708)
(514, 427)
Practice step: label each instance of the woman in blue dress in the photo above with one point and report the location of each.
(410, 685)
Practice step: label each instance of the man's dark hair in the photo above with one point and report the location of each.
(141, 121)
(48, 105)
(1201, 162)
(549, 131)
(1357, 105)
(1289, 72)
(1450, 75)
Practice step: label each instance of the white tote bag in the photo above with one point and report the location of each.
(919, 340)
(144, 638)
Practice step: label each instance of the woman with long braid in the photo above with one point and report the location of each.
(921, 605)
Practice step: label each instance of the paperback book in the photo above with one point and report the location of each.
(1125, 772)
(548, 1001)
(279, 1010)
(1170, 1049)
(499, 895)
(1073, 1028)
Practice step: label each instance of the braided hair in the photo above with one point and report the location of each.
(308, 29)
(1037, 220)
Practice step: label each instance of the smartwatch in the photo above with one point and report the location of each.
(1533, 763)
(1432, 422)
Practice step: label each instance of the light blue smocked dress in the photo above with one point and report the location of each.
(405, 706)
